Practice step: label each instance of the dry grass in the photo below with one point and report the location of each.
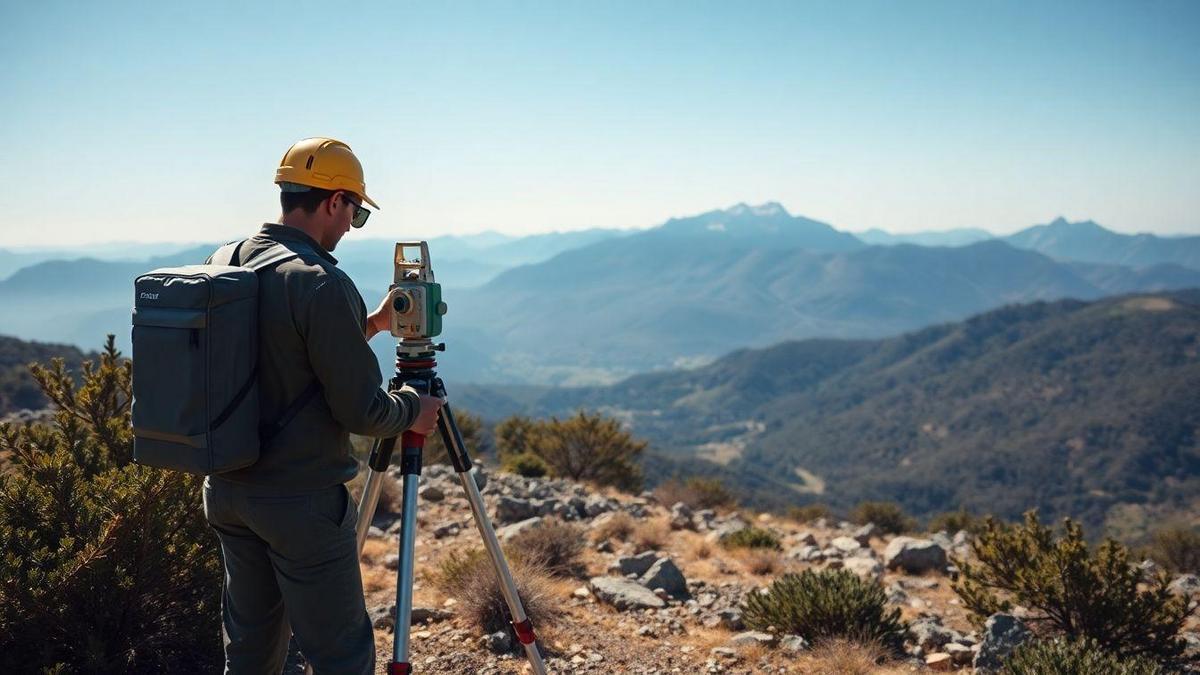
(471, 581)
(617, 527)
(390, 496)
(556, 547)
(761, 561)
(701, 549)
(844, 657)
(651, 535)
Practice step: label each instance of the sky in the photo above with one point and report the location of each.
(164, 121)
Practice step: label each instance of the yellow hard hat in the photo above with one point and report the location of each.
(323, 163)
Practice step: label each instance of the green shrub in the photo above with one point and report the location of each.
(751, 537)
(1070, 590)
(556, 547)
(953, 521)
(809, 512)
(889, 517)
(584, 447)
(1176, 548)
(827, 605)
(525, 464)
(471, 580)
(107, 566)
(1080, 657)
(696, 492)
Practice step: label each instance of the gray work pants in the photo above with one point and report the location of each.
(291, 565)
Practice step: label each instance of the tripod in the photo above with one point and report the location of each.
(415, 366)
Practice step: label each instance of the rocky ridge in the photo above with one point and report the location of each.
(667, 598)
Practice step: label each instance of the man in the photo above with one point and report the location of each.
(287, 522)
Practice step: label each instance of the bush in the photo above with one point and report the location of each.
(107, 566)
(1177, 548)
(470, 579)
(618, 526)
(696, 492)
(752, 537)
(555, 547)
(889, 517)
(809, 512)
(1081, 657)
(525, 464)
(584, 447)
(650, 535)
(826, 605)
(1070, 590)
(953, 521)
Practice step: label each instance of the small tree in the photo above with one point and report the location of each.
(1071, 591)
(517, 435)
(474, 438)
(1176, 548)
(107, 566)
(583, 447)
(697, 492)
(1079, 657)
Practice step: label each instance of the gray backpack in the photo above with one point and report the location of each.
(195, 364)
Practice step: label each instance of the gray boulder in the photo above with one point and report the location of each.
(868, 569)
(930, 634)
(624, 594)
(1185, 585)
(914, 555)
(636, 565)
(665, 574)
(750, 638)
(507, 532)
(512, 510)
(1001, 635)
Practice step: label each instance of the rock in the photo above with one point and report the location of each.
(512, 510)
(624, 594)
(383, 616)
(647, 631)
(426, 614)
(431, 493)
(724, 653)
(498, 642)
(446, 530)
(681, 517)
(1001, 635)
(807, 538)
(863, 534)
(391, 561)
(637, 565)
(582, 593)
(750, 638)
(703, 519)
(939, 661)
(960, 655)
(930, 634)
(866, 568)
(914, 555)
(665, 574)
(1185, 585)
(725, 529)
(375, 532)
(806, 553)
(845, 544)
(595, 505)
(730, 618)
(506, 533)
(793, 643)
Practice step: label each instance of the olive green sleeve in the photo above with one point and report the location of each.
(346, 367)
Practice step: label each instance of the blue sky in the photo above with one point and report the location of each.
(164, 120)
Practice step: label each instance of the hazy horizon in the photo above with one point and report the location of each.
(149, 122)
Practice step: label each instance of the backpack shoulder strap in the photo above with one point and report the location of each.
(227, 254)
(274, 255)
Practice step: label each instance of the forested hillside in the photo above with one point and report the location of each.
(17, 387)
(1088, 409)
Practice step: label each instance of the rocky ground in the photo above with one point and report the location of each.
(667, 599)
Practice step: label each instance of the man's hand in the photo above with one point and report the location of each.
(426, 421)
(380, 321)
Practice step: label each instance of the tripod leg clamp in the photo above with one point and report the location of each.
(524, 631)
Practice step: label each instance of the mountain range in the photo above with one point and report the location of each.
(599, 305)
(1087, 409)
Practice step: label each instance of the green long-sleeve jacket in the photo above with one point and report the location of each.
(312, 324)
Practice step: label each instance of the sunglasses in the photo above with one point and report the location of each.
(360, 213)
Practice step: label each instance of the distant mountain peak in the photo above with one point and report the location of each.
(1062, 224)
(765, 209)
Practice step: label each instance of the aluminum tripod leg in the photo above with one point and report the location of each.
(462, 466)
(411, 466)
